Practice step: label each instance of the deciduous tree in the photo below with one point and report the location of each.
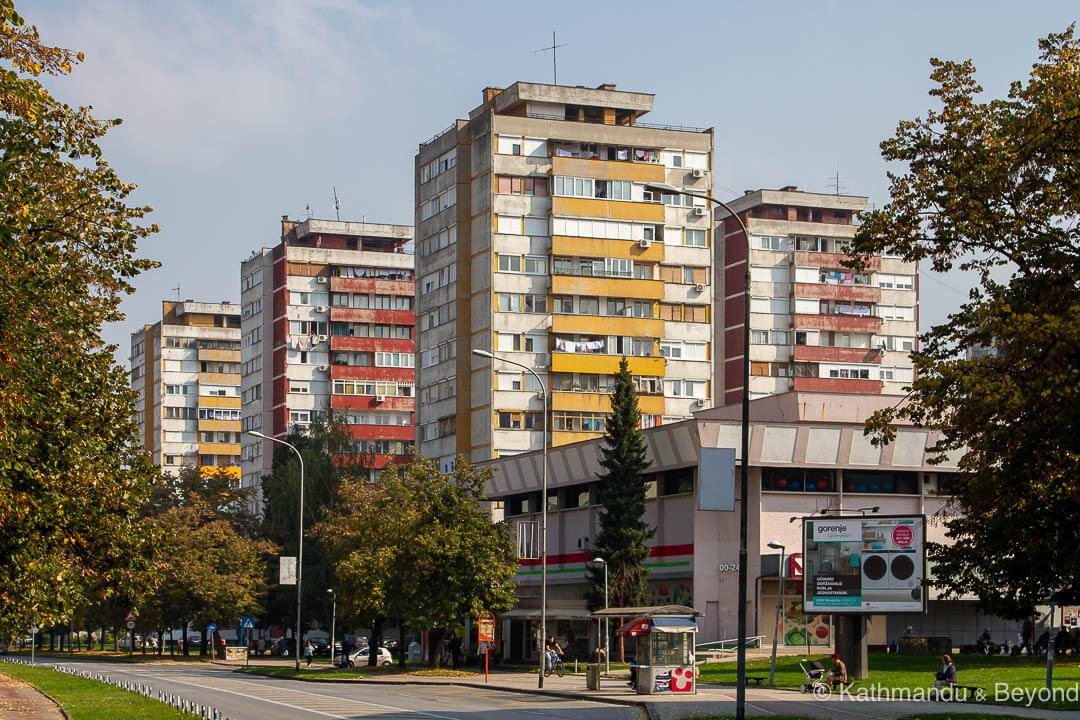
(72, 471)
(993, 186)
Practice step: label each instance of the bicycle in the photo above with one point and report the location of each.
(556, 667)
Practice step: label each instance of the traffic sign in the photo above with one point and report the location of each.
(212, 627)
(247, 623)
(130, 624)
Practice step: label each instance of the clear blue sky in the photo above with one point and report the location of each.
(236, 112)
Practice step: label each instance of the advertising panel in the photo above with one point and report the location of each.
(872, 564)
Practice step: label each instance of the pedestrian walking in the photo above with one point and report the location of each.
(309, 651)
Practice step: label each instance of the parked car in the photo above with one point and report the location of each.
(360, 657)
(321, 646)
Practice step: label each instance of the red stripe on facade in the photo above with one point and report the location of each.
(580, 557)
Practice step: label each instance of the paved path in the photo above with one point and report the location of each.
(20, 701)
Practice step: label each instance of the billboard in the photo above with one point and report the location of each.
(872, 564)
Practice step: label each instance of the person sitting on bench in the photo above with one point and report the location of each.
(946, 676)
(838, 675)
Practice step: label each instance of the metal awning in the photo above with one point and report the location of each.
(648, 611)
(552, 614)
(674, 624)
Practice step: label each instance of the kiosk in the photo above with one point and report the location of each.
(665, 637)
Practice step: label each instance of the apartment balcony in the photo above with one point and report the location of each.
(219, 355)
(606, 325)
(607, 169)
(232, 471)
(208, 448)
(836, 385)
(219, 425)
(377, 462)
(388, 317)
(559, 437)
(809, 258)
(370, 402)
(610, 209)
(606, 247)
(605, 364)
(601, 402)
(369, 344)
(216, 401)
(371, 286)
(838, 323)
(382, 432)
(368, 372)
(807, 353)
(206, 378)
(613, 287)
(828, 291)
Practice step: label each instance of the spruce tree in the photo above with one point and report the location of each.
(621, 493)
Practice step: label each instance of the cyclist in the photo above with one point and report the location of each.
(552, 651)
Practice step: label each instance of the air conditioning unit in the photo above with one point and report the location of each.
(644, 243)
(700, 212)
(320, 309)
(700, 287)
(698, 173)
(323, 280)
(380, 398)
(699, 403)
(324, 368)
(322, 338)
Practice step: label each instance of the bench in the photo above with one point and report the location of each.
(953, 687)
(757, 679)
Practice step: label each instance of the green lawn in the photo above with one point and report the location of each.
(90, 699)
(362, 672)
(917, 671)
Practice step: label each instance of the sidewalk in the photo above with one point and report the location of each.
(20, 701)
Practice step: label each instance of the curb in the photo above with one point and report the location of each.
(61, 708)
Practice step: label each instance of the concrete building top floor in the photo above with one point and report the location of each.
(189, 307)
(377, 237)
(792, 196)
(794, 429)
(517, 99)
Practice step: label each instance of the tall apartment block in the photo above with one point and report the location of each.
(186, 369)
(815, 324)
(328, 325)
(539, 239)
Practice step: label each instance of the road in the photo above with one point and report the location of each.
(253, 697)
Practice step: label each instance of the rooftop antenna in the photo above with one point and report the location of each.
(177, 289)
(835, 184)
(554, 65)
(308, 209)
(337, 204)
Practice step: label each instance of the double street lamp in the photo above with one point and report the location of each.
(300, 550)
(779, 604)
(607, 654)
(543, 512)
(744, 483)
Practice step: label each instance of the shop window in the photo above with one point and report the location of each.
(881, 481)
(798, 480)
(677, 482)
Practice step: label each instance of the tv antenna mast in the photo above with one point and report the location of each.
(554, 64)
(308, 209)
(177, 289)
(337, 204)
(835, 183)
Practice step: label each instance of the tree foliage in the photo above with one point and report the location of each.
(420, 547)
(993, 186)
(72, 471)
(621, 493)
(210, 568)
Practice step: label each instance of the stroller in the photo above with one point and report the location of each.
(815, 679)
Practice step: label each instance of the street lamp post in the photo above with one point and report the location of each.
(744, 480)
(543, 509)
(779, 604)
(333, 622)
(607, 654)
(300, 548)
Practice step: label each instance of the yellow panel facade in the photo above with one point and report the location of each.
(565, 438)
(232, 471)
(219, 379)
(602, 248)
(219, 355)
(601, 402)
(223, 425)
(605, 170)
(213, 401)
(607, 287)
(607, 325)
(219, 449)
(605, 364)
(613, 209)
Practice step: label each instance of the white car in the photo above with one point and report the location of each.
(360, 657)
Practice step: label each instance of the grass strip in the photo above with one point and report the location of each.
(89, 699)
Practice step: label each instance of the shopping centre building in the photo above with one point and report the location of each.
(808, 455)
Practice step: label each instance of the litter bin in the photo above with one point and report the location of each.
(592, 676)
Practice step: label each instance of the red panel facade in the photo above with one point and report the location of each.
(735, 279)
(854, 293)
(809, 258)
(367, 344)
(733, 342)
(371, 286)
(382, 432)
(368, 402)
(837, 354)
(355, 372)
(840, 323)
(391, 317)
(734, 311)
(841, 385)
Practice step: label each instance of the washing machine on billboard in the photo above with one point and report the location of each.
(905, 569)
(876, 578)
